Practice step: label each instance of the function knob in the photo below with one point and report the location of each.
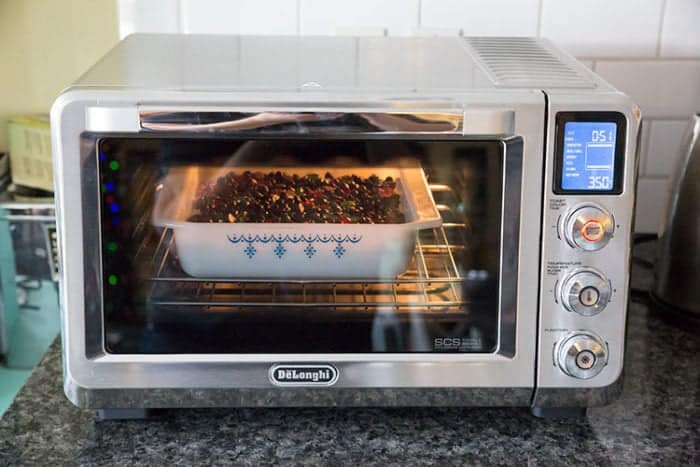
(585, 291)
(581, 355)
(588, 227)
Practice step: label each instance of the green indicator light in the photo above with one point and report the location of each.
(112, 246)
(104, 188)
(112, 279)
(114, 165)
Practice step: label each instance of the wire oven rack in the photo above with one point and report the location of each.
(432, 283)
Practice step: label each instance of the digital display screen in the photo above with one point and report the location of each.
(588, 156)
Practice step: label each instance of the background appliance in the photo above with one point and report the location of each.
(677, 272)
(29, 316)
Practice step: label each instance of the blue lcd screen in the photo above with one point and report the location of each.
(588, 156)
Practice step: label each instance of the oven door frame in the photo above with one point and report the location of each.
(94, 378)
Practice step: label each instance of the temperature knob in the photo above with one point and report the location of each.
(581, 355)
(585, 291)
(588, 227)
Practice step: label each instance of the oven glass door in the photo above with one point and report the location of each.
(304, 245)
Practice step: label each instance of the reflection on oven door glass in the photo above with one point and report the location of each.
(299, 246)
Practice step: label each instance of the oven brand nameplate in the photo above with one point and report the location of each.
(303, 375)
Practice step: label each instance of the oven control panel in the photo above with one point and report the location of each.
(586, 247)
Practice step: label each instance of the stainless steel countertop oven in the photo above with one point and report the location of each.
(286, 221)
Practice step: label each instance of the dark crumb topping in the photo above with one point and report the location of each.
(281, 197)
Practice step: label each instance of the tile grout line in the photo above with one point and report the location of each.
(539, 18)
(298, 14)
(419, 18)
(661, 28)
(180, 17)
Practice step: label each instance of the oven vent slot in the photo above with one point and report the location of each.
(525, 62)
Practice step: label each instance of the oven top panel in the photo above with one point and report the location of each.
(387, 65)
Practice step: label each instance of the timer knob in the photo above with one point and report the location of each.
(581, 355)
(588, 227)
(585, 291)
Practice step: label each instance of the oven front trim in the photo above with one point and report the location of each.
(87, 371)
(510, 154)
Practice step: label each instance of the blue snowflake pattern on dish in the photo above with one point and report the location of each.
(342, 242)
(280, 250)
(339, 250)
(250, 250)
(310, 250)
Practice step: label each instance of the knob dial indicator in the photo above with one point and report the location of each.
(581, 355)
(588, 228)
(585, 291)
(589, 296)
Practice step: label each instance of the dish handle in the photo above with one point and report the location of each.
(420, 199)
(165, 206)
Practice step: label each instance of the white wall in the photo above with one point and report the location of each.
(647, 48)
(43, 49)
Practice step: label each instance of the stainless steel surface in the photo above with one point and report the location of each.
(523, 61)
(677, 273)
(303, 122)
(100, 118)
(91, 368)
(387, 75)
(124, 397)
(585, 291)
(554, 387)
(581, 355)
(589, 227)
(445, 119)
(313, 66)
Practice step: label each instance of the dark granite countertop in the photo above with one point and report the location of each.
(656, 421)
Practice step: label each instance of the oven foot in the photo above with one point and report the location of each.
(124, 414)
(558, 412)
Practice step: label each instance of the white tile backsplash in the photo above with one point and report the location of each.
(151, 16)
(662, 88)
(482, 18)
(649, 49)
(680, 34)
(603, 28)
(239, 16)
(652, 194)
(662, 149)
(398, 17)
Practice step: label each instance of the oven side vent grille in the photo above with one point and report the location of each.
(525, 62)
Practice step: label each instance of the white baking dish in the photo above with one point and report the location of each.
(293, 250)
